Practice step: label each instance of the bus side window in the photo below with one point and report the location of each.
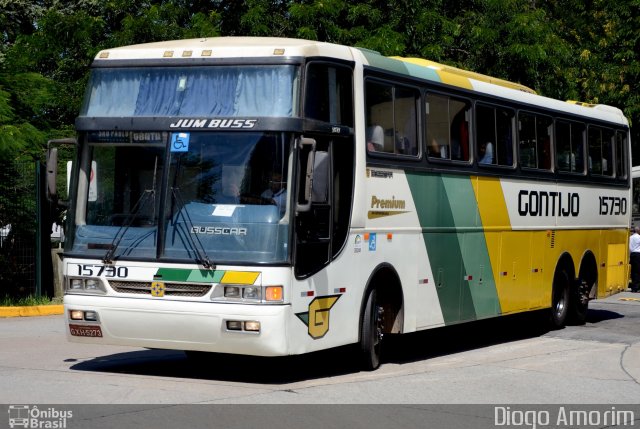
(447, 127)
(536, 132)
(600, 151)
(527, 135)
(569, 147)
(494, 135)
(621, 154)
(392, 118)
(329, 93)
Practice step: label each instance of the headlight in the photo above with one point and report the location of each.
(85, 286)
(251, 292)
(248, 294)
(231, 292)
(92, 284)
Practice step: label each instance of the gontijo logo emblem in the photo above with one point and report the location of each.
(317, 318)
(157, 289)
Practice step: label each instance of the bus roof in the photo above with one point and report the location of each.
(264, 47)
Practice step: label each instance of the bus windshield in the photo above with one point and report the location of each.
(260, 90)
(225, 197)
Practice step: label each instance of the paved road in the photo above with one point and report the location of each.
(509, 360)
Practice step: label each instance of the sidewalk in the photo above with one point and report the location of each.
(36, 310)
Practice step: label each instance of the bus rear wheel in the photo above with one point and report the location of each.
(371, 332)
(560, 297)
(579, 304)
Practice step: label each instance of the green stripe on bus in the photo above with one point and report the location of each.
(473, 246)
(376, 60)
(185, 275)
(423, 72)
(448, 215)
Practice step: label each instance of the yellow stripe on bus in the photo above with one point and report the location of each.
(498, 236)
(240, 277)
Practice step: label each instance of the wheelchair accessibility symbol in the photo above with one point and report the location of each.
(180, 142)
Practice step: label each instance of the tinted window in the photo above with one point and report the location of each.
(392, 118)
(495, 135)
(448, 127)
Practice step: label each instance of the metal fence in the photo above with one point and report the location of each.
(20, 246)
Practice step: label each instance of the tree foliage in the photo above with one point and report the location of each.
(567, 49)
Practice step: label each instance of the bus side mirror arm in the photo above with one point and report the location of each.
(52, 166)
(52, 174)
(308, 182)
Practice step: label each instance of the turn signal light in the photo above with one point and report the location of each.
(273, 293)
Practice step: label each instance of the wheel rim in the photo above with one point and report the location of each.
(377, 328)
(560, 296)
(560, 304)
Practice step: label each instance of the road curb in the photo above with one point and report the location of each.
(36, 310)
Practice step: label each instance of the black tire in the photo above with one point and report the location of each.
(578, 303)
(371, 333)
(560, 298)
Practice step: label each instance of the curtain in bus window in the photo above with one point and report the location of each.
(203, 91)
(112, 93)
(209, 92)
(265, 91)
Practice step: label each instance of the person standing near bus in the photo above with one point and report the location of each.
(634, 252)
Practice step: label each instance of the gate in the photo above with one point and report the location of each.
(25, 261)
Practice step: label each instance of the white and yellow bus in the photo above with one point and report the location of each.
(271, 197)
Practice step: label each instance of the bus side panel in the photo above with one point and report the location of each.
(457, 249)
(509, 251)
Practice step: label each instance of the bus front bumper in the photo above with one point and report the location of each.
(177, 325)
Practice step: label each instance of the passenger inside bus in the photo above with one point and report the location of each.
(375, 138)
(232, 177)
(277, 191)
(437, 150)
(486, 153)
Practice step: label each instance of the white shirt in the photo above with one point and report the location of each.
(634, 243)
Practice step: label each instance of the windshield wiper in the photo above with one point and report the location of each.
(196, 244)
(122, 231)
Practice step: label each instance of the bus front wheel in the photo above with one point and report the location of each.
(371, 332)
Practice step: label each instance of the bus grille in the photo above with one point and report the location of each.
(171, 289)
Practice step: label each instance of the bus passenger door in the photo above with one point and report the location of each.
(322, 221)
(313, 212)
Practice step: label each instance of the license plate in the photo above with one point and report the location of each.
(85, 331)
